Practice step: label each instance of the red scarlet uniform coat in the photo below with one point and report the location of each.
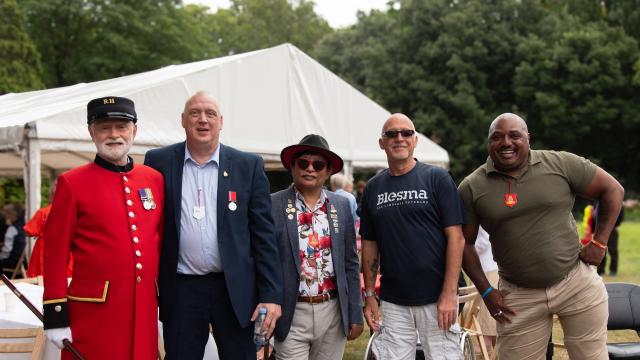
(35, 228)
(99, 216)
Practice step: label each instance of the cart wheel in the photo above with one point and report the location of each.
(466, 344)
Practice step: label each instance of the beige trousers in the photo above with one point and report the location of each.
(579, 300)
(316, 333)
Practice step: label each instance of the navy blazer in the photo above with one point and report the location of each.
(246, 237)
(343, 255)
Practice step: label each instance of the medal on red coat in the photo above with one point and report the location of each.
(232, 201)
(146, 196)
(510, 199)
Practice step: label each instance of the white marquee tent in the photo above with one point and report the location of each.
(270, 98)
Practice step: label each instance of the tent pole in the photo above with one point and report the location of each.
(347, 170)
(32, 177)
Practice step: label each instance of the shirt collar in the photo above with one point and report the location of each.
(532, 159)
(321, 201)
(112, 167)
(215, 157)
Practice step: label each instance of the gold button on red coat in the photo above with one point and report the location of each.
(134, 227)
(131, 215)
(129, 202)
(127, 190)
(135, 239)
(125, 179)
(138, 253)
(139, 266)
(138, 278)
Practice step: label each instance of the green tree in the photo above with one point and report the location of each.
(19, 58)
(87, 40)
(572, 68)
(11, 191)
(255, 24)
(625, 14)
(364, 55)
(579, 95)
(448, 65)
(460, 56)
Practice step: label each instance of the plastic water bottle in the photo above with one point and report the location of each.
(259, 337)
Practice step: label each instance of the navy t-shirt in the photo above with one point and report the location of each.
(406, 216)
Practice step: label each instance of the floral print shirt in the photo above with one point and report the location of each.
(316, 265)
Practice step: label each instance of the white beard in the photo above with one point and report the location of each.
(114, 154)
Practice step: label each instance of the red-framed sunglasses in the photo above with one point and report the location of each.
(317, 165)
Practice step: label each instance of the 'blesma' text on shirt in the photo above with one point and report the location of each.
(387, 197)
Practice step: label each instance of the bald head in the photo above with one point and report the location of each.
(508, 143)
(398, 119)
(338, 181)
(398, 140)
(201, 95)
(202, 122)
(508, 116)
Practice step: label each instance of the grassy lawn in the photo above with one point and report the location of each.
(628, 271)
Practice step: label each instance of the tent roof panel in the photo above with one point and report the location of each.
(269, 98)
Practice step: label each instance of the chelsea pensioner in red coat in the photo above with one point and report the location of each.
(109, 217)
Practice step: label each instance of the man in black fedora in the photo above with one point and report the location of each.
(316, 240)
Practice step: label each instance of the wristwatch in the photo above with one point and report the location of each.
(369, 293)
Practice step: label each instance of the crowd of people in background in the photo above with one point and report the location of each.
(195, 232)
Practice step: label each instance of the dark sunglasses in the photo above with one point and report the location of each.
(317, 164)
(391, 134)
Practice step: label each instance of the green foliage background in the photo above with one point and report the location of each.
(88, 40)
(20, 60)
(569, 67)
(12, 191)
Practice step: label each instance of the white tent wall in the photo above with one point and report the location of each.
(270, 98)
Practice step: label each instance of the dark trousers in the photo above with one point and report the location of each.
(201, 300)
(612, 250)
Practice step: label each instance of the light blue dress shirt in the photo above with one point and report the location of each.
(353, 204)
(198, 251)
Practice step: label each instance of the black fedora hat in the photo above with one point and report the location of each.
(314, 144)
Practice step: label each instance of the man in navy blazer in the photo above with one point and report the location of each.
(219, 260)
(316, 240)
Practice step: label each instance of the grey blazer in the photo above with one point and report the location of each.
(343, 254)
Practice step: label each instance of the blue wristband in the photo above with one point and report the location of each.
(486, 292)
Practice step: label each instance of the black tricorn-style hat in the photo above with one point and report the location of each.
(314, 144)
(111, 107)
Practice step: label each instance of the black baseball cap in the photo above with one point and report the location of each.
(111, 107)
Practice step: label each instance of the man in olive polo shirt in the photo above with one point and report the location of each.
(523, 198)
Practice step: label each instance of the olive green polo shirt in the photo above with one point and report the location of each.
(535, 242)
